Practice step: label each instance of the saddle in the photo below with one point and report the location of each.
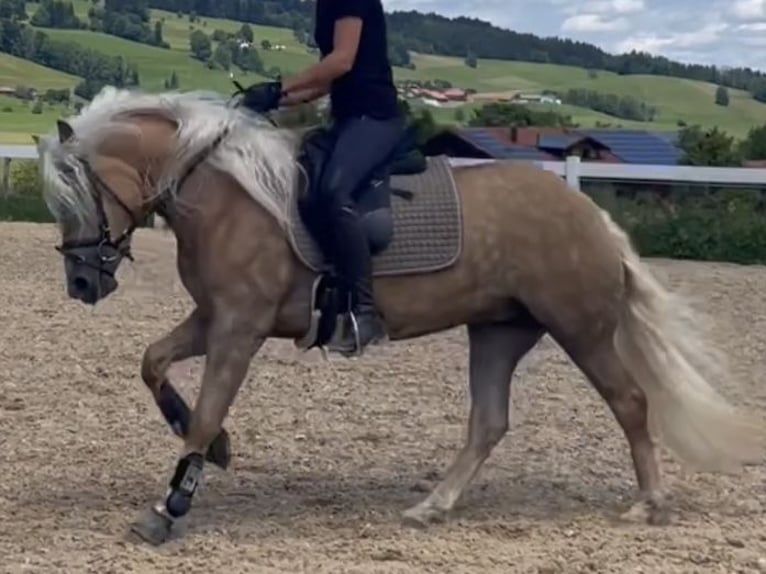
(373, 198)
(330, 304)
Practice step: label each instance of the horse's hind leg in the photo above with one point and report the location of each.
(495, 350)
(627, 401)
(186, 340)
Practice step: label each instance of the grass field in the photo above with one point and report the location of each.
(17, 122)
(15, 71)
(676, 99)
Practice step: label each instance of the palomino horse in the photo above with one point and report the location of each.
(517, 254)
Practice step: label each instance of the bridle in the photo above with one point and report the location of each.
(108, 249)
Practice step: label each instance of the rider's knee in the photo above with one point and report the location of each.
(335, 190)
(379, 228)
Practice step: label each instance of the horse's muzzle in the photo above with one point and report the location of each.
(84, 287)
(89, 278)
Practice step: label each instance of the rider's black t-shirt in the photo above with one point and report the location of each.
(368, 88)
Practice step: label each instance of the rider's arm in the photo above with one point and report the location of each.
(348, 29)
(295, 98)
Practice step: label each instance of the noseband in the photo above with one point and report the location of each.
(107, 249)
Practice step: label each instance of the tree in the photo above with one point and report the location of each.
(459, 115)
(13, 9)
(219, 35)
(223, 56)
(55, 14)
(158, 39)
(753, 147)
(722, 96)
(246, 33)
(265, 44)
(201, 47)
(759, 90)
(711, 147)
(172, 82)
(501, 114)
(470, 60)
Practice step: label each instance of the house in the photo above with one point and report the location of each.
(433, 97)
(482, 143)
(537, 99)
(556, 144)
(456, 95)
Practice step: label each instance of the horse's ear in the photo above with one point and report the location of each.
(65, 131)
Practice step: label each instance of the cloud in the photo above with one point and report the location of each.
(614, 6)
(593, 23)
(756, 27)
(749, 9)
(654, 43)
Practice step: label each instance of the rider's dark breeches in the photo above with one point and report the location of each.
(361, 145)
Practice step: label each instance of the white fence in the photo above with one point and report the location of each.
(573, 170)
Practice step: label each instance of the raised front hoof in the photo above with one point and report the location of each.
(647, 512)
(219, 451)
(422, 516)
(153, 527)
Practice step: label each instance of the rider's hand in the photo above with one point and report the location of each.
(263, 97)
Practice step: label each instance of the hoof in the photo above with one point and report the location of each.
(154, 527)
(646, 512)
(422, 516)
(219, 451)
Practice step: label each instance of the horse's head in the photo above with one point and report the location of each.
(98, 203)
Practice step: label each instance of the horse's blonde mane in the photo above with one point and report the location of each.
(258, 155)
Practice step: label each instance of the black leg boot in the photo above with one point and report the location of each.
(354, 265)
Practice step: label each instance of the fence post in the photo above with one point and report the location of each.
(5, 187)
(572, 171)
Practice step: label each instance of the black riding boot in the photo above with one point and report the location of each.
(353, 263)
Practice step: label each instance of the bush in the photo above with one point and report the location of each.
(691, 222)
(26, 201)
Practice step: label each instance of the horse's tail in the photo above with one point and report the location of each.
(662, 343)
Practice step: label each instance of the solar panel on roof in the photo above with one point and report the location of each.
(638, 147)
(558, 142)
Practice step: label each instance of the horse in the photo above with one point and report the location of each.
(506, 250)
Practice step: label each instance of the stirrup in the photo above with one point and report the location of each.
(339, 341)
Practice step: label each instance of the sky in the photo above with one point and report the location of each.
(723, 32)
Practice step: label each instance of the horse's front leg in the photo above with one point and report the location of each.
(188, 339)
(231, 344)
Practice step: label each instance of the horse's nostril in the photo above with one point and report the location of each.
(81, 284)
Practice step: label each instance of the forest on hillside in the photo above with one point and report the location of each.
(465, 37)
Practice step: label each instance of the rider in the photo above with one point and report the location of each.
(367, 124)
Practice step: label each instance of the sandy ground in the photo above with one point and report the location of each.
(326, 456)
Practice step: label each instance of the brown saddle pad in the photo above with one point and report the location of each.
(428, 229)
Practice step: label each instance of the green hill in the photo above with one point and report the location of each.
(677, 100)
(15, 71)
